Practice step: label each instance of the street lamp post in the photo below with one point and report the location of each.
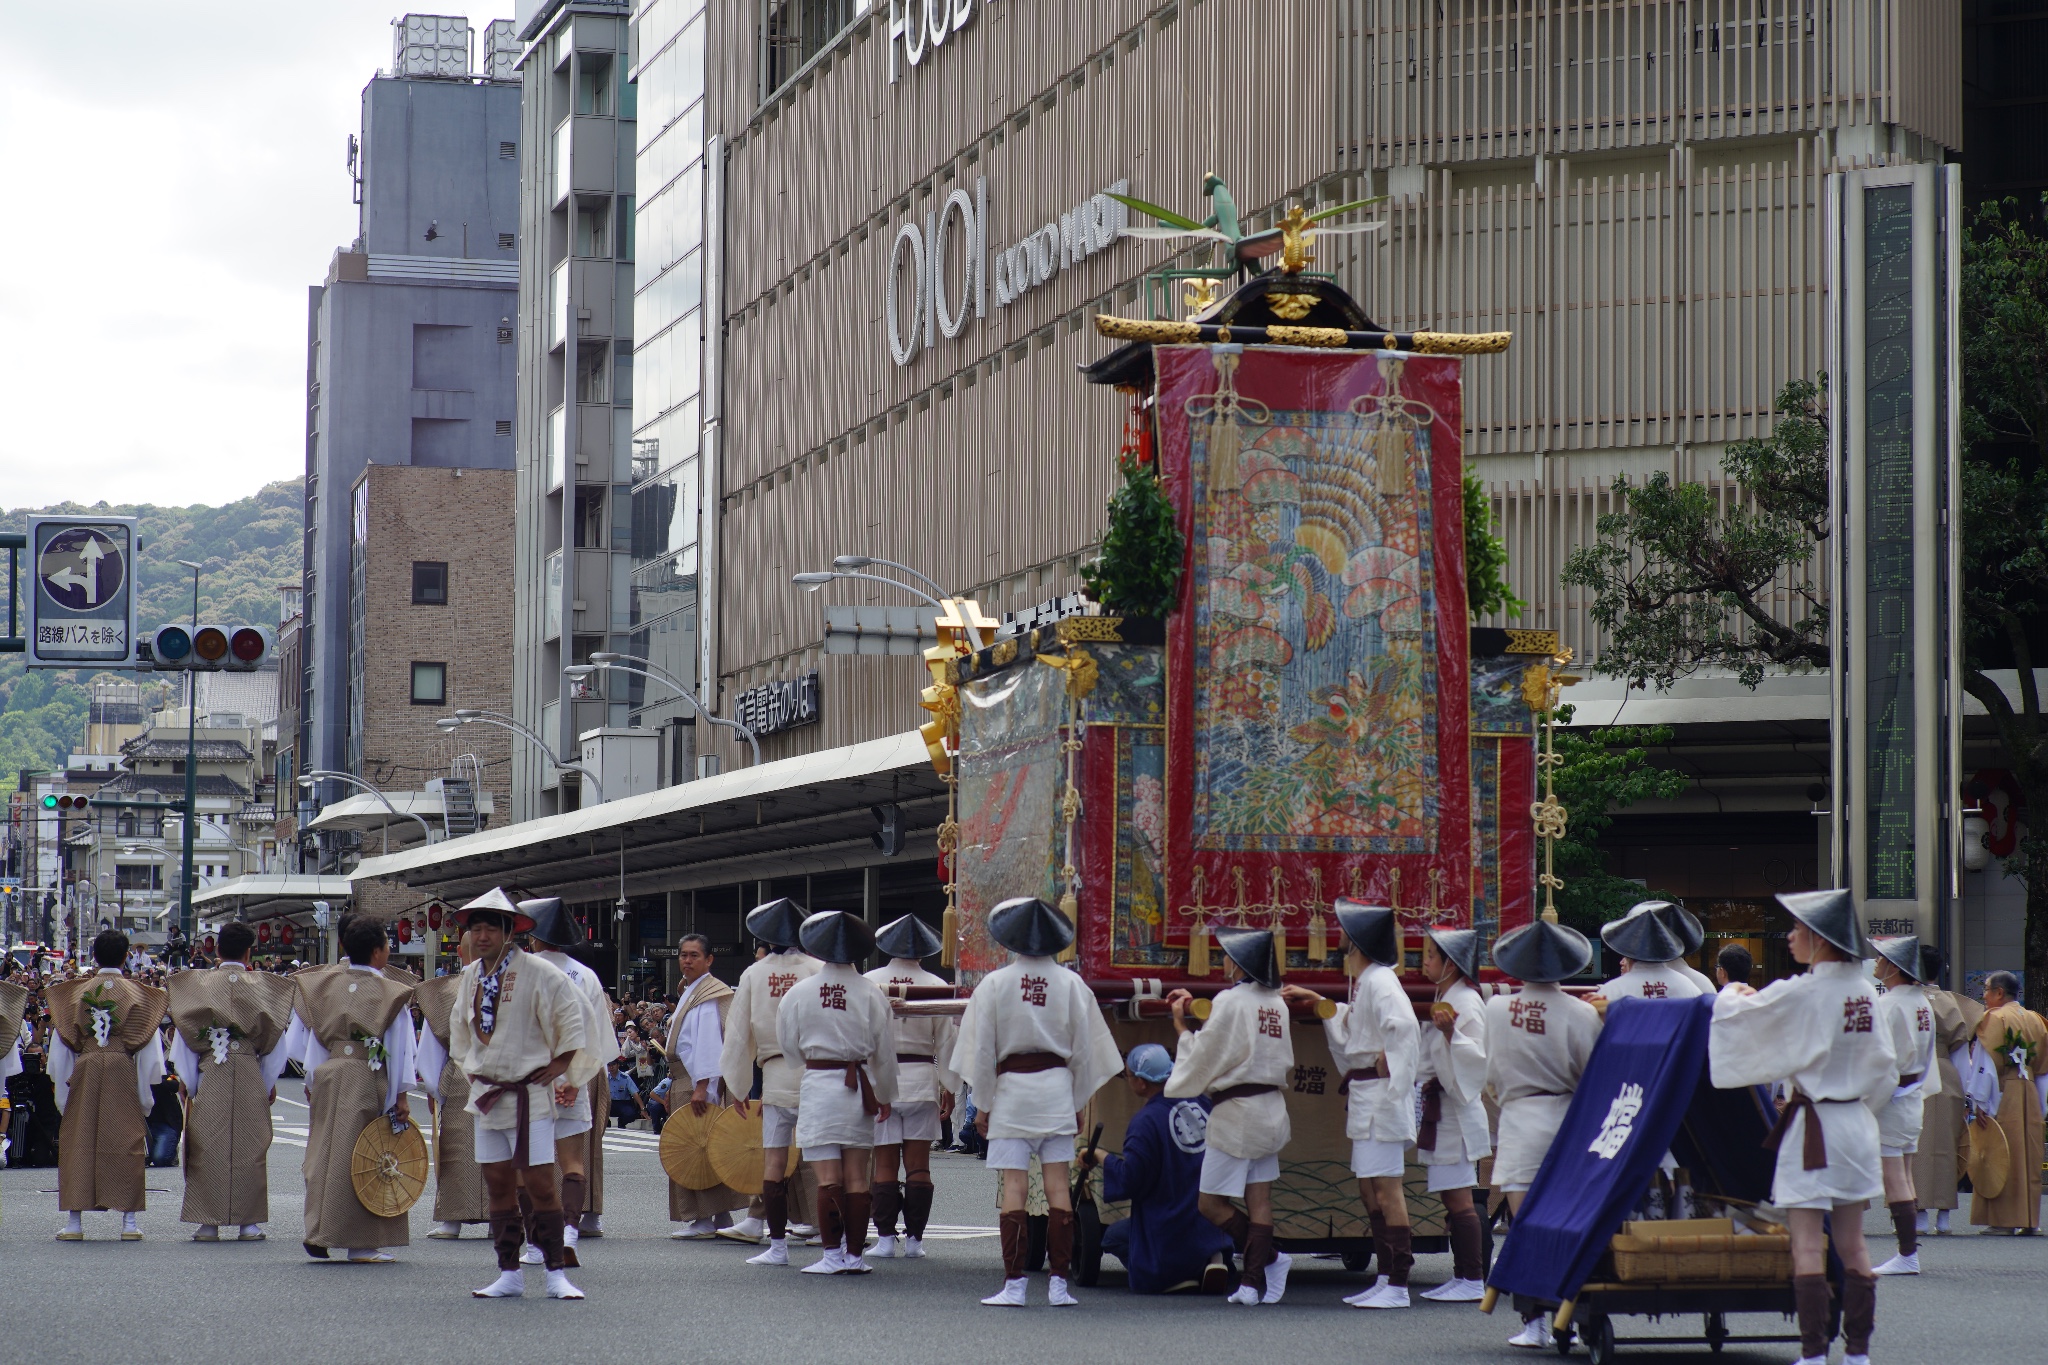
(191, 767)
(818, 578)
(312, 775)
(607, 659)
(863, 561)
(469, 716)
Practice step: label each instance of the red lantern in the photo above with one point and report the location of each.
(434, 915)
(284, 934)
(405, 931)
(263, 932)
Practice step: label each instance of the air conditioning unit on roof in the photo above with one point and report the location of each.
(430, 45)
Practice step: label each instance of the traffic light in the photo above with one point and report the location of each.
(53, 802)
(208, 649)
(888, 835)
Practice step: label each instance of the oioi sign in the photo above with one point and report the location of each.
(81, 607)
(921, 27)
(939, 298)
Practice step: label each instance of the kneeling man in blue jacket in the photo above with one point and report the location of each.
(1166, 1245)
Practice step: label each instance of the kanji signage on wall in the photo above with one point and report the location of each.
(781, 705)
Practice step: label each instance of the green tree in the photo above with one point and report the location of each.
(1603, 771)
(1486, 557)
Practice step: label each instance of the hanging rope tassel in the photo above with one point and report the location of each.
(1318, 938)
(1198, 948)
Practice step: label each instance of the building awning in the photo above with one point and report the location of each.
(269, 893)
(369, 815)
(795, 815)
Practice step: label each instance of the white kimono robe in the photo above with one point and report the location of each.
(919, 1035)
(1537, 1043)
(541, 1015)
(837, 1015)
(695, 1041)
(1247, 1040)
(1910, 1017)
(1459, 1062)
(1378, 1026)
(598, 1032)
(1034, 1005)
(1671, 980)
(1821, 1031)
(750, 1038)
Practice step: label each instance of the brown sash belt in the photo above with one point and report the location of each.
(1815, 1155)
(1913, 1079)
(1432, 1114)
(1376, 1072)
(912, 1058)
(498, 1090)
(856, 1079)
(1030, 1062)
(1239, 1092)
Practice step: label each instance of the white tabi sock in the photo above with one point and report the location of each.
(510, 1284)
(74, 1221)
(129, 1223)
(250, 1230)
(559, 1286)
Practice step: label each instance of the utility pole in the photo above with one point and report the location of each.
(191, 772)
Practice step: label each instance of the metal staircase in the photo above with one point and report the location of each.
(458, 797)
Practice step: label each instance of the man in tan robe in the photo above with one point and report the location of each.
(2016, 1040)
(459, 1195)
(105, 1054)
(696, 1038)
(517, 1029)
(352, 1031)
(228, 1048)
(1936, 1165)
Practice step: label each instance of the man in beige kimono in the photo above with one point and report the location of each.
(2015, 1040)
(751, 1041)
(1242, 1059)
(228, 1048)
(105, 1054)
(696, 1038)
(517, 1029)
(579, 1135)
(459, 1195)
(352, 1032)
(1937, 1168)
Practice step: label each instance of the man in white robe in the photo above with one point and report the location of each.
(751, 1041)
(555, 931)
(1242, 1059)
(924, 1082)
(1033, 1049)
(1652, 938)
(1823, 1032)
(835, 1023)
(1537, 1043)
(1910, 1016)
(696, 1039)
(1451, 1136)
(518, 1026)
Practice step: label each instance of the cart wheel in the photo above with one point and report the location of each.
(1599, 1336)
(1087, 1244)
(1716, 1332)
(1357, 1255)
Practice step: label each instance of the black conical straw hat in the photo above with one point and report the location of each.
(1373, 930)
(777, 923)
(910, 938)
(1683, 923)
(1543, 952)
(1029, 927)
(836, 936)
(1461, 946)
(1832, 915)
(552, 924)
(1644, 935)
(1252, 951)
(1902, 952)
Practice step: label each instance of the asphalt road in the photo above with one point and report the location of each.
(169, 1299)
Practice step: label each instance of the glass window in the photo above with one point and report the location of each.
(593, 227)
(593, 373)
(665, 586)
(629, 100)
(429, 684)
(558, 440)
(623, 246)
(429, 584)
(551, 601)
(665, 513)
(594, 85)
(622, 372)
(558, 305)
(563, 137)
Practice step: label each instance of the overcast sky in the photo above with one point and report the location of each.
(175, 177)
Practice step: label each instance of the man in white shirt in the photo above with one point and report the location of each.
(1821, 1031)
(1652, 938)
(577, 1147)
(1910, 1015)
(835, 1023)
(1451, 1136)
(751, 1041)
(924, 1081)
(696, 1038)
(1033, 1049)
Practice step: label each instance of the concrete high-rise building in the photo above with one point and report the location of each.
(573, 554)
(410, 355)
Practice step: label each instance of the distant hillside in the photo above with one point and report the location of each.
(248, 548)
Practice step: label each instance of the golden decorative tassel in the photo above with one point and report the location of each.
(1198, 948)
(949, 933)
(1390, 459)
(1318, 938)
(1071, 908)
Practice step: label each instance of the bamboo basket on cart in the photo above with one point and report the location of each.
(1699, 1251)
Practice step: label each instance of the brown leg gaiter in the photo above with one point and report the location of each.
(831, 1215)
(508, 1235)
(1258, 1254)
(547, 1227)
(1239, 1228)
(526, 1215)
(1905, 1216)
(1468, 1249)
(1859, 1312)
(888, 1200)
(575, 1188)
(1399, 1257)
(1059, 1241)
(1810, 1292)
(775, 1207)
(1016, 1238)
(917, 1207)
(1382, 1254)
(858, 1210)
